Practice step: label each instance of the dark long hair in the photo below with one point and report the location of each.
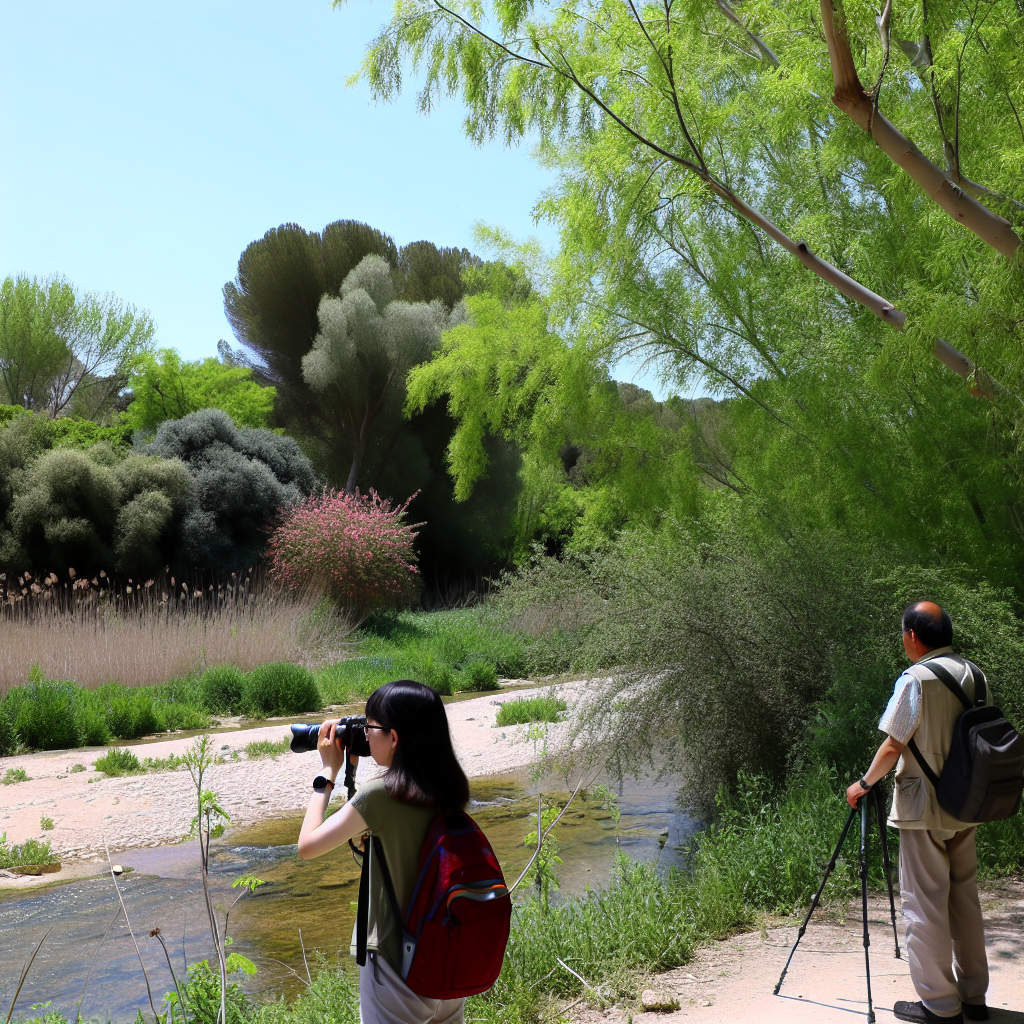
(424, 770)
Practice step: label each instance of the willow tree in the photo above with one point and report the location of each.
(705, 168)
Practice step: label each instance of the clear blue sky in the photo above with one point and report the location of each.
(145, 144)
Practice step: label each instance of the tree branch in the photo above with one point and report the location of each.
(850, 97)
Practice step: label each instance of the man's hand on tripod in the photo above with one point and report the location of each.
(885, 757)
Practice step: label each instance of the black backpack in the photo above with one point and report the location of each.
(983, 777)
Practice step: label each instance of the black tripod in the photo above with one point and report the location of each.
(863, 805)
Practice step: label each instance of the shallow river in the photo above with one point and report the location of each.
(163, 891)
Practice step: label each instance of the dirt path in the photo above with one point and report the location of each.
(157, 808)
(731, 982)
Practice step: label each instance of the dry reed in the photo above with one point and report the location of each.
(141, 634)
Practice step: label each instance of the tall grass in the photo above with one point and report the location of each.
(142, 635)
(461, 649)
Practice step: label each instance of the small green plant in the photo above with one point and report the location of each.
(13, 775)
(607, 800)
(76, 768)
(32, 851)
(163, 764)
(478, 674)
(267, 748)
(46, 824)
(119, 761)
(542, 872)
(530, 709)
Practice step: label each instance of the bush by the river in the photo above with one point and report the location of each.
(721, 656)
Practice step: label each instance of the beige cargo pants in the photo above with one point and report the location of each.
(945, 934)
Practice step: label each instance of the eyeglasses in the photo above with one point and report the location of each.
(383, 728)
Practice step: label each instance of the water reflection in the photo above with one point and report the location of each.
(316, 897)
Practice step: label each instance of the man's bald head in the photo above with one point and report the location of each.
(929, 623)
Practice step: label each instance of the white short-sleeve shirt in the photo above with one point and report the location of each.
(903, 713)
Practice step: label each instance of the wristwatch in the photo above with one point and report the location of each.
(320, 783)
(863, 785)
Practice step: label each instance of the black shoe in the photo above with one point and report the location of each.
(975, 1011)
(918, 1013)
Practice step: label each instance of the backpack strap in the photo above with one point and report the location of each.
(378, 853)
(363, 907)
(925, 766)
(952, 684)
(948, 680)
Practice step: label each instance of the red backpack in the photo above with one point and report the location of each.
(456, 927)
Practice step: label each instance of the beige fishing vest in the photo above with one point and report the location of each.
(914, 804)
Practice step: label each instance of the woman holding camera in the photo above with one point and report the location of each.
(407, 732)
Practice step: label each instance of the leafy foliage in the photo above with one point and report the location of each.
(530, 709)
(357, 548)
(223, 689)
(166, 387)
(119, 761)
(280, 689)
(63, 353)
(241, 479)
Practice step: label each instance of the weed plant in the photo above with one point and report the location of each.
(32, 851)
(118, 761)
(13, 775)
(520, 710)
(267, 748)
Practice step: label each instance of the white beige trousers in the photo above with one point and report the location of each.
(385, 999)
(945, 934)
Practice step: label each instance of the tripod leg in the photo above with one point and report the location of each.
(864, 900)
(887, 866)
(817, 896)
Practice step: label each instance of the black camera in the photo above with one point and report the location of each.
(351, 731)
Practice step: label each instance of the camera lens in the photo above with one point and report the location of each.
(304, 738)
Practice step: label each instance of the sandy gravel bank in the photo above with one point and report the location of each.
(157, 808)
(732, 981)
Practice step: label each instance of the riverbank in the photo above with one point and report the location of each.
(88, 808)
(732, 980)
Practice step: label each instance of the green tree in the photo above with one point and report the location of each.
(35, 317)
(61, 353)
(367, 343)
(165, 387)
(699, 164)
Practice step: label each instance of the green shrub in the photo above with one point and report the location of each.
(530, 709)
(438, 675)
(32, 851)
(478, 675)
(8, 731)
(280, 689)
(183, 717)
(13, 775)
(45, 823)
(223, 689)
(50, 715)
(119, 761)
(130, 711)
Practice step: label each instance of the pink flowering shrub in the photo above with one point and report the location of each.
(356, 547)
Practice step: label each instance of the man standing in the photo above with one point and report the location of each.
(938, 859)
